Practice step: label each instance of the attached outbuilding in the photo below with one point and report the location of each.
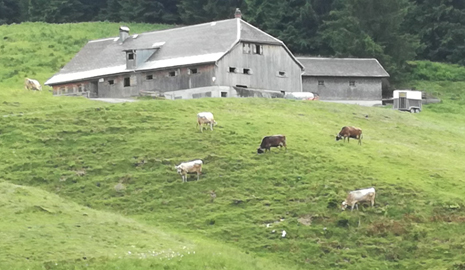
(225, 58)
(343, 79)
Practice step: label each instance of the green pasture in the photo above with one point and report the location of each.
(83, 182)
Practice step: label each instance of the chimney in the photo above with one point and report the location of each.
(238, 13)
(123, 33)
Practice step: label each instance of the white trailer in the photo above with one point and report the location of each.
(407, 100)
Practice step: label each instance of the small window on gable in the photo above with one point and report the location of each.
(258, 49)
(172, 73)
(351, 83)
(127, 82)
(321, 82)
(149, 77)
(110, 82)
(247, 71)
(282, 74)
(232, 69)
(130, 56)
(246, 48)
(193, 71)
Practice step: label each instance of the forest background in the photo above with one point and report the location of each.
(392, 31)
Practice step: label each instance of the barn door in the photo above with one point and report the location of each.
(94, 89)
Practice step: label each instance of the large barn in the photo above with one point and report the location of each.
(218, 59)
(344, 79)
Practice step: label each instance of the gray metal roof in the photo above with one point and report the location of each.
(189, 45)
(342, 67)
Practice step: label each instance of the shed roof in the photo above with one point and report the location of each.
(189, 45)
(342, 67)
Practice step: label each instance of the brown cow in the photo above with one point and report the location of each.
(272, 141)
(350, 132)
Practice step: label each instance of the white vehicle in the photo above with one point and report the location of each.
(407, 100)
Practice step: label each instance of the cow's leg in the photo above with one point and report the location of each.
(198, 176)
(352, 207)
(211, 126)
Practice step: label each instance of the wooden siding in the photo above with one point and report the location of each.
(333, 88)
(263, 68)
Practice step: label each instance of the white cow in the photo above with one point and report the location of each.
(30, 84)
(205, 118)
(356, 196)
(194, 166)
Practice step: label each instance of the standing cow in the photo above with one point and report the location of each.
(30, 84)
(356, 196)
(194, 166)
(205, 118)
(272, 141)
(350, 132)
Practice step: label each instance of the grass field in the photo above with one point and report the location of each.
(82, 178)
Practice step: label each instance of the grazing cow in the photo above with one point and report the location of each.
(272, 141)
(362, 195)
(350, 132)
(205, 118)
(30, 84)
(194, 166)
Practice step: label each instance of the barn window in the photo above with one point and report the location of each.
(193, 71)
(281, 74)
(149, 77)
(62, 90)
(178, 97)
(172, 73)
(321, 82)
(130, 56)
(246, 48)
(127, 82)
(80, 88)
(224, 94)
(110, 82)
(247, 71)
(351, 83)
(258, 49)
(232, 69)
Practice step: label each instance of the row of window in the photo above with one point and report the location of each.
(351, 83)
(249, 71)
(248, 48)
(79, 88)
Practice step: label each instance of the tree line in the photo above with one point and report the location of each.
(393, 31)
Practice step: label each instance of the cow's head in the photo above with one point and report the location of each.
(338, 137)
(344, 205)
(178, 168)
(260, 151)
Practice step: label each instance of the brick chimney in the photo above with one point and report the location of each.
(123, 33)
(238, 13)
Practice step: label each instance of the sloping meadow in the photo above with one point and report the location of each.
(121, 158)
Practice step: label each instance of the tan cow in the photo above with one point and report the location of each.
(356, 196)
(350, 132)
(194, 166)
(205, 118)
(30, 84)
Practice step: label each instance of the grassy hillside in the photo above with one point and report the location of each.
(65, 157)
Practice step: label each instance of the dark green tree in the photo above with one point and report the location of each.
(199, 11)
(441, 27)
(371, 28)
(10, 11)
